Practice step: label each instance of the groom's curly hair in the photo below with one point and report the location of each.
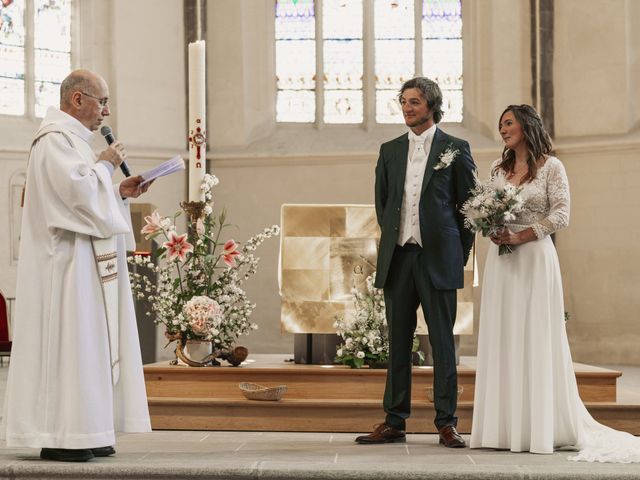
(538, 141)
(430, 92)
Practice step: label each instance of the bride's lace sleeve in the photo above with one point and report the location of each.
(494, 164)
(558, 196)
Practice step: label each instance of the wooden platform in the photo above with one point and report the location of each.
(330, 398)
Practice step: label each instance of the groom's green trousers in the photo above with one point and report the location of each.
(408, 285)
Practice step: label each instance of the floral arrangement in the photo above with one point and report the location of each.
(365, 335)
(198, 294)
(446, 158)
(492, 205)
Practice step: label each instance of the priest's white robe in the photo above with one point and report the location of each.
(60, 392)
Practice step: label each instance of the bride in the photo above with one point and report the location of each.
(526, 396)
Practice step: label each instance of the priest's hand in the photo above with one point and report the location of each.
(130, 187)
(114, 154)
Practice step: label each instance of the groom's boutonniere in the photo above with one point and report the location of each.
(446, 158)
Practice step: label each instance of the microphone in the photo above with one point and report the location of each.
(108, 136)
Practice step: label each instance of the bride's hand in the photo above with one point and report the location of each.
(506, 237)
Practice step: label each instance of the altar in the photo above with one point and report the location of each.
(326, 253)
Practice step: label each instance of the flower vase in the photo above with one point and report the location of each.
(196, 353)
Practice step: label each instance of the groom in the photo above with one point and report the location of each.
(422, 180)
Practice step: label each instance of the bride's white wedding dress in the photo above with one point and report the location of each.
(526, 395)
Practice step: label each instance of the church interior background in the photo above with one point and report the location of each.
(278, 135)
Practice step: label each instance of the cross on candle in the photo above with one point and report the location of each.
(197, 140)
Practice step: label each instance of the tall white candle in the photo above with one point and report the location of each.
(197, 120)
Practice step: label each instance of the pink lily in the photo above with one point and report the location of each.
(229, 252)
(177, 246)
(153, 225)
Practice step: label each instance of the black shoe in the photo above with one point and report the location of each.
(103, 451)
(66, 454)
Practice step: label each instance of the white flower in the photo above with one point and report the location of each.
(446, 158)
(360, 354)
(339, 352)
(166, 223)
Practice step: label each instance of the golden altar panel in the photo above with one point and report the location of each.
(309, 316)
(325, 252)
(305, 253)
(351, 261)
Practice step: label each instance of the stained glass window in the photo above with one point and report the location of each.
(52, 42)
(295, 61)
(12, 57)
(50, 55)
(342, 54)
(391, 28)
(442, 52)
(394, 55)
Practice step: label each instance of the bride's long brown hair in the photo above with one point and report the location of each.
(536, 137)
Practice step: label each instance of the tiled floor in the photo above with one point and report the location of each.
(301, 456)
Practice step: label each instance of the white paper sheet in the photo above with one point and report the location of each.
(172, 165)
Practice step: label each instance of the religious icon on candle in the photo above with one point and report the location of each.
(197, 139)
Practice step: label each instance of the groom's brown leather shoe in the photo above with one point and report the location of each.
(382, 433)
(449, 437)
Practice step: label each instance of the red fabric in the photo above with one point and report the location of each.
(4, 324)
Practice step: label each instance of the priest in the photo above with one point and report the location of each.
(76, 371)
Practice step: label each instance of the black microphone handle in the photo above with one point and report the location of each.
(125, 169)
(123, 166)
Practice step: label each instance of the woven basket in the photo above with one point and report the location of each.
(253, 391)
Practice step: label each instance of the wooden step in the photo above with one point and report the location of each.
(333, 382)
(330, 415)
(330, 398)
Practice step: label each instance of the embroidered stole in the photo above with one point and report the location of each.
(106, 255)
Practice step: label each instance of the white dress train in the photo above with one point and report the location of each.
(526, 396)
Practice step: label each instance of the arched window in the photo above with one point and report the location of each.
(363, 50)
(35, 54)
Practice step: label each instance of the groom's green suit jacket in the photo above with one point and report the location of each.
(446, 242)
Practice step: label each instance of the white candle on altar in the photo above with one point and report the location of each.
(197, 120)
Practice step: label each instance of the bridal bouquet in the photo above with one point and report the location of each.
(198, 294)
(491, 206)
(365, 335)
